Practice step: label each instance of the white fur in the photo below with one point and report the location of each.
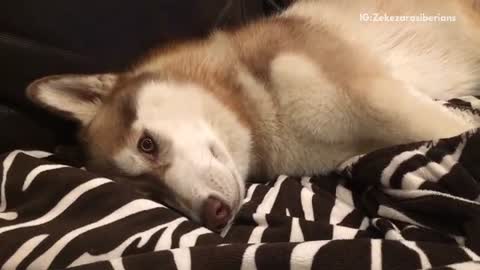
(180, 114)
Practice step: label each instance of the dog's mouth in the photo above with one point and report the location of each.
(237, 204)
(207, 206)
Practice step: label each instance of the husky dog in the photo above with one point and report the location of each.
(296, 93)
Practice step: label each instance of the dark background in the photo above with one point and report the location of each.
(39, 38)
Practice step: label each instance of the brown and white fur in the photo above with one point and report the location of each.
(295, 94)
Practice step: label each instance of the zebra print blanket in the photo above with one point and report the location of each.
(413, 206)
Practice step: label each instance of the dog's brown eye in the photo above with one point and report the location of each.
(147, 145)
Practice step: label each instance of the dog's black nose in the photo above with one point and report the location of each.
(216, 214)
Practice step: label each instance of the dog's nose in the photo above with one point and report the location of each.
(216, 214)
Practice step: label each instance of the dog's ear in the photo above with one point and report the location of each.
(76, 97)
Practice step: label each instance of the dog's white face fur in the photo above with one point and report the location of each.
(194, 161)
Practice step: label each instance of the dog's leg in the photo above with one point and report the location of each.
(395, 114)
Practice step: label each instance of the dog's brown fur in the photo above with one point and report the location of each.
(296, 93)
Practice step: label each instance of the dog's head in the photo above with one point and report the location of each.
(185, 136)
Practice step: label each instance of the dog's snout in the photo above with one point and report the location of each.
(216, 214)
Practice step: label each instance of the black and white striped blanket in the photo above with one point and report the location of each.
(413, 206)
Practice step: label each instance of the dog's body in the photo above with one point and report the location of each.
(293, 94)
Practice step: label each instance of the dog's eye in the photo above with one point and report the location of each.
(147, 145)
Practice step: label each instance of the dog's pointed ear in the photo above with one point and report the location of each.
(76, 97)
